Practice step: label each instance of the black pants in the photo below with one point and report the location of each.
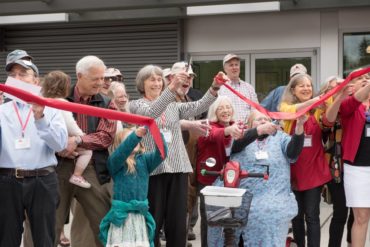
(38, 196)
(340, 212)
(168, 205)
(309, 212)
(203, 217)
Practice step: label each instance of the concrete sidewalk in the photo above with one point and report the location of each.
(325, 216)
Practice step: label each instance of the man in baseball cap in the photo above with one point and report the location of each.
(297, 69)
(231, 64)
(30, 134)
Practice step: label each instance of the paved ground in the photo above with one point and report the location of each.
(325, 216)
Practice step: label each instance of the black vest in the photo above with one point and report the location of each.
(99, 157)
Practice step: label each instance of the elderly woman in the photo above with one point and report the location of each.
(216, 144)
(168, 182)
(332, 134)
(273, 204)
(355, 119)
(311, 170)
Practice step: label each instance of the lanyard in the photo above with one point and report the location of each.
(20, 119)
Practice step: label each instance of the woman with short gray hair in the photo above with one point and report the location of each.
(168, 183)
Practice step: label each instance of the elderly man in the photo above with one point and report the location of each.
(30, 136)
(231, 65)
(95, 201)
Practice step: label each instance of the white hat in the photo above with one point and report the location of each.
(182, 67)
(228, 57)
(297, 69)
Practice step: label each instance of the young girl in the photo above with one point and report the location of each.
(129, 223)
(56, 85)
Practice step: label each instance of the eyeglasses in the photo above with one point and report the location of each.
(259, 119)
(222, 108)
(113, 78)
(20, 74)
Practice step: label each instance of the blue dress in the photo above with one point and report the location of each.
(273, 204)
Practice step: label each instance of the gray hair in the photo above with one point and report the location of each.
(288, 96)
(144, 73)
(113, 88)
(86, 63)
(213, 108)
(325, 85)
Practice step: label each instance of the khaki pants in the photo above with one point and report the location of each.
(95, 202)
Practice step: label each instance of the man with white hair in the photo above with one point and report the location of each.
(231, 63)
(96, 201)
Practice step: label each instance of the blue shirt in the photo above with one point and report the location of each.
(47, 136)
(272, 100)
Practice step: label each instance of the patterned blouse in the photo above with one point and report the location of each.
(168, 121)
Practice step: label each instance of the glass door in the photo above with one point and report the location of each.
(270, 70)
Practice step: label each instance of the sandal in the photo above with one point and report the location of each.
(64, 242)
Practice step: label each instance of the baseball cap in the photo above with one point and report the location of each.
(181, 67)
(228, 57)
(17, 55)
(297, 69)
(166, 72)
(24, 63)
(111, 72)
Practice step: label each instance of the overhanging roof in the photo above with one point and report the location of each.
(138, 9)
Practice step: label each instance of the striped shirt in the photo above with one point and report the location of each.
(168, 120)
(102, 138)
(242, 109)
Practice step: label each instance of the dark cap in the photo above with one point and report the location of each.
(16, 55)
(24, 63)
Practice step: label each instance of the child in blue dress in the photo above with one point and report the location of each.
(128, 222)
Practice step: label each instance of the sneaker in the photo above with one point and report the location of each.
(79, 181)
(191, 234)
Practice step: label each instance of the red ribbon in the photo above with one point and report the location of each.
(89, 110)
(289, 115)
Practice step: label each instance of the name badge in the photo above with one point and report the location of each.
(307, 141)
(22, 143)
(167, 135)
(367, 130)
(261, 155)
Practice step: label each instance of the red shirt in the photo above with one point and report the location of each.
(352, 114)
(311, 169)
(212, 146)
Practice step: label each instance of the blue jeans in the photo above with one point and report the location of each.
(309, 211)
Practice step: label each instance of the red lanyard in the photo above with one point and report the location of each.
(20, 119)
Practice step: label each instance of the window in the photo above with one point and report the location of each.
(355, 52)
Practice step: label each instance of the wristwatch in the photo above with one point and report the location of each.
(78, 140)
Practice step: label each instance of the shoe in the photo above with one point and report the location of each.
(191, 234)
(64, 242)
(162, 236)
(79, 181)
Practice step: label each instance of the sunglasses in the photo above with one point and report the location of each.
(114, 78)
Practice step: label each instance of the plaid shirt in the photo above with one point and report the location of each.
(242, 109)
(103, 137)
